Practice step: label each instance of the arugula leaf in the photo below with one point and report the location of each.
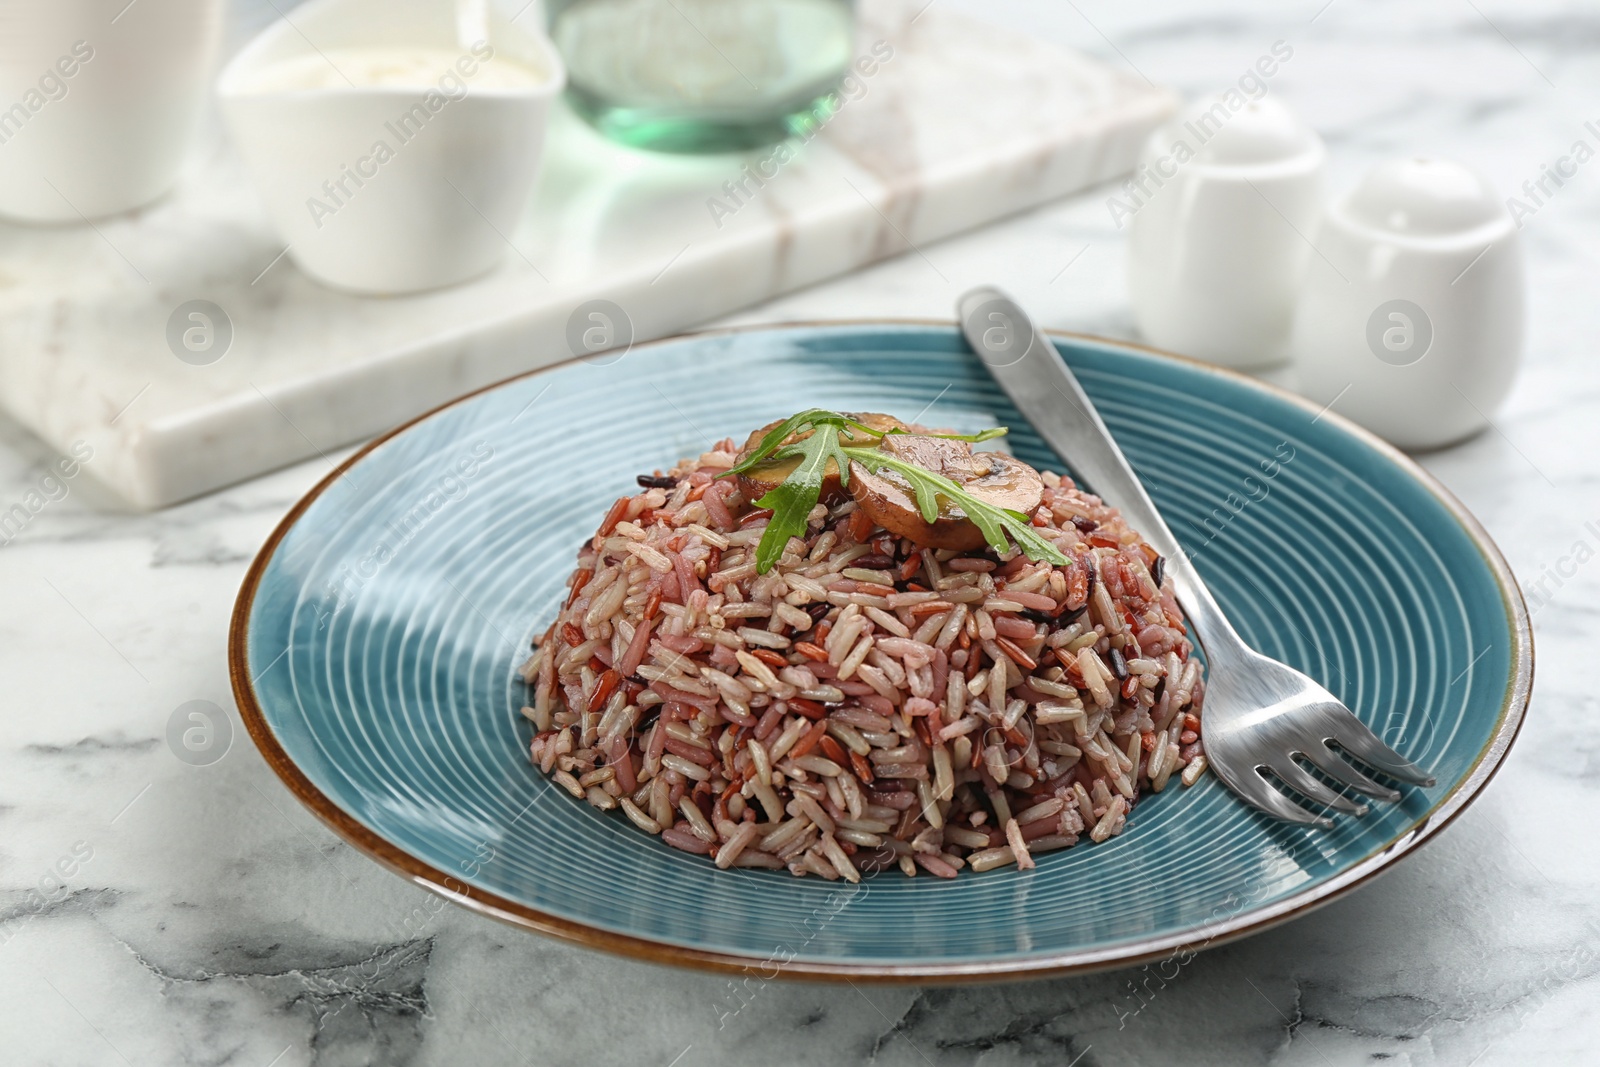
(776, 436)
(994, 522)
(791, 500)
(973, 438)
(766, 451)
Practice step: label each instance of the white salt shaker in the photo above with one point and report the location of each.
(1411, 319)
(1223, 202)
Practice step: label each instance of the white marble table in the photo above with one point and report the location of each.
(207, 918)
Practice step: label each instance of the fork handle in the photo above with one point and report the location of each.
(1027, 366)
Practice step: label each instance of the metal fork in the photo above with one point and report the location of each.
(1261, 716)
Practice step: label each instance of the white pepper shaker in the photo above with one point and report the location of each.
(1217, 250)
(1411, 318)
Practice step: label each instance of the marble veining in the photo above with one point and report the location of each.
(216, 922)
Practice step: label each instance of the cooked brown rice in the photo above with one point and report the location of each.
(866, 703)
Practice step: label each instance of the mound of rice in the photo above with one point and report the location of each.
(866, 703)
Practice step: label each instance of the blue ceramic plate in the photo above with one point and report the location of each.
(375, 640)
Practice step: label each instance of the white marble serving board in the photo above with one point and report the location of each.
(965, 124)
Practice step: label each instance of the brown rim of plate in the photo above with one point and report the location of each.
(1242, 924)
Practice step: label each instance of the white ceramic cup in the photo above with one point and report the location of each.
(99, 101)
(381, 187)
(1217, 247)
(1411, 320)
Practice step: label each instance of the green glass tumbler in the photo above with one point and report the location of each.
(702, 75)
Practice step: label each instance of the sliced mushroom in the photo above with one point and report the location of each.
(756, 482)
(993, 477)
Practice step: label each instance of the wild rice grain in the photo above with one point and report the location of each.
(1019, 847)
(837, 858)
(674, 762)
(1111, 821)
(990, 858)
(696, 821)
(686, 841)
(638, 817)
(729, 850)
(1043, 810)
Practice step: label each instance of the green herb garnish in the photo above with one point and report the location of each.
(995, 522)
(792, 500)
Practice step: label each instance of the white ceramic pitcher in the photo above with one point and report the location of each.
(393, 153)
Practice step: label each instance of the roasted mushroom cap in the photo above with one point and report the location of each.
(756, 482)
(993, 477)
